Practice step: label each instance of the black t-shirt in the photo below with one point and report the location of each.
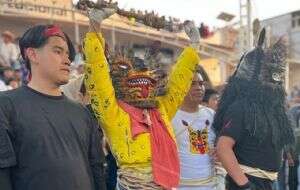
(247, 149)
(49, 142)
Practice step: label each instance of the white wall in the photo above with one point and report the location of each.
(282, 25)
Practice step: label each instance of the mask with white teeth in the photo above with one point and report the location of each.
(137, 80)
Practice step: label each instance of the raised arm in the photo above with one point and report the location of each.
(97, 77)
(182, 73)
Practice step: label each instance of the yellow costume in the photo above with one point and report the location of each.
(131, 153)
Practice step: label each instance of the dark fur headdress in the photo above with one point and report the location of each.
(138, 74)
(255, 97)
(264, 64)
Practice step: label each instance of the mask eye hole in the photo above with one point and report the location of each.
(276, 77)
(123, 66)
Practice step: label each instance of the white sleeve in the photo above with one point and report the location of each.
(14, 53)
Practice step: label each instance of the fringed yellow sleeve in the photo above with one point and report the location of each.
(179, 82)
(98, 81)
(133, 153)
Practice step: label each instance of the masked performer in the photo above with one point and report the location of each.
(251, 121)
(135, 120)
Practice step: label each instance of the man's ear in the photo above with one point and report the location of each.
(31, 55)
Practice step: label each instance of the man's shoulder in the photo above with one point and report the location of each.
(206, 112)
(76, 106)
(12, 94)
(10, 98)
(73, 103)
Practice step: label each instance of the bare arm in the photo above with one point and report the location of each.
(227, 157)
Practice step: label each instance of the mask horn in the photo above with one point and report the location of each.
(261, 39)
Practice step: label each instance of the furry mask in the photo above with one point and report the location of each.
(266, 65)
(138, 76)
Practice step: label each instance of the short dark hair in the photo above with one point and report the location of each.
(200, 70)
(34, 38)
(208, 94)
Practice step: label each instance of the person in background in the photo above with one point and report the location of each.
(209, 105)
(8, 74)
(8, 50)
(13, 84)
(211, 99)
(195, 140)
(293, 153)
(79, 56)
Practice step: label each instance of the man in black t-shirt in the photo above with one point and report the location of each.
(46, 140)
(251, 121)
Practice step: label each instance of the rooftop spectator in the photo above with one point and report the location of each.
(204, 31)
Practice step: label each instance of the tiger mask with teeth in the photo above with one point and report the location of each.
(138, 80)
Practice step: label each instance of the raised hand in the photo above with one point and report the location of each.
(96, 12)
(193, 33)
(98, 15)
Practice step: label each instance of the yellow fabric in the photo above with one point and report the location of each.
(129, 152)
(256, 172)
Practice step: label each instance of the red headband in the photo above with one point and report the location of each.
(54, 31)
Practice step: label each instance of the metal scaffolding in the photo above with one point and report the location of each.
(245, 34)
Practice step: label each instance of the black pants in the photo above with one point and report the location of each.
(260, 183)
(111, 172)
(293, 176)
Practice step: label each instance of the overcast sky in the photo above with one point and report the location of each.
(207, 11)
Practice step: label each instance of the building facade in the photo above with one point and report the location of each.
(287, 25)
(18, 15)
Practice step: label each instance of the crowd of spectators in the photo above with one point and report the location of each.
(10, 68)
